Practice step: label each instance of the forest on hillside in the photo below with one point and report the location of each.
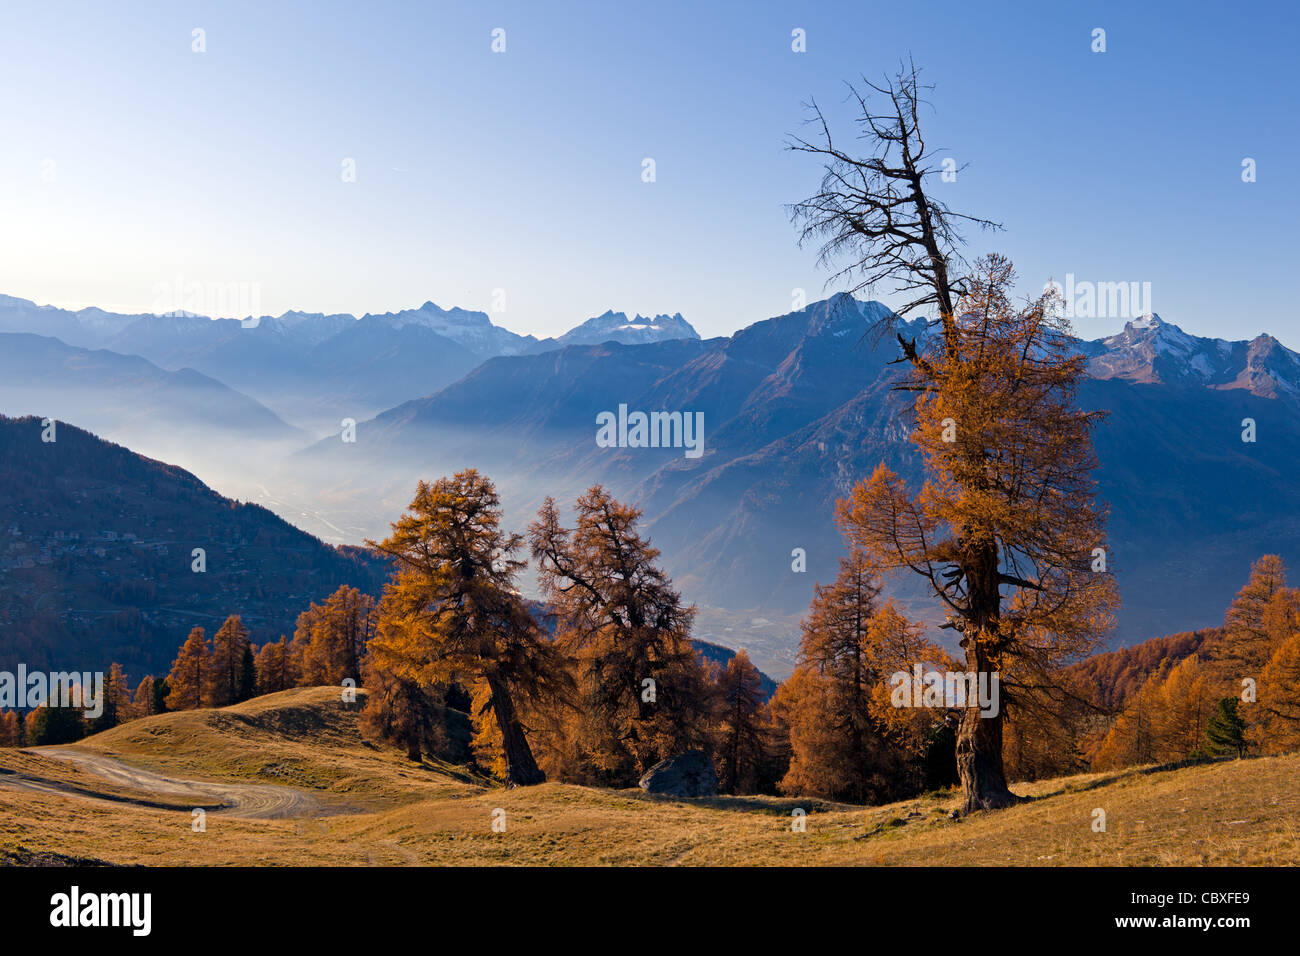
(600, 683)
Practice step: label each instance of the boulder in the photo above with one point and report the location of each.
(687, 775)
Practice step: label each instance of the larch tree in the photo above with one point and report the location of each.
(1279, 698)
(1186, 700)
(330, 640)
(117, 701)
(10, 732)
(743, 728)
(642, 691)
(190, 683)
(805, 707)
(1132, 737)
(274, 667)
(1006, 530)
(1048, 733)
(400, 710)
(1281, 616)
(450, 611)
(226, 664)
(1248, 643)
(143, 702)
(847, 740)
(834, 650)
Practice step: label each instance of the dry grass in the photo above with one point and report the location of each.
(387, 810)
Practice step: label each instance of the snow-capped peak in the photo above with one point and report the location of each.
(611, 326)
(1150, 349)
(474, 330)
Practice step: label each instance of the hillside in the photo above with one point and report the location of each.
(1109, 679)
(174, 415)
(302, 787)
(96, 554)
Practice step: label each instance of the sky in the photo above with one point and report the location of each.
(512, 182)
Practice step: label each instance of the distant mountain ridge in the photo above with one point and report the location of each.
(316, 369)
(102, 387)
(797, 408)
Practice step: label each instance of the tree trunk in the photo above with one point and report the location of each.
(979, 736)
(979, 748)
(521, 768)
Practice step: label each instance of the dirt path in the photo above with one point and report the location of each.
(254, 801)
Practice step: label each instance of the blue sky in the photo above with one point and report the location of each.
(131, 161)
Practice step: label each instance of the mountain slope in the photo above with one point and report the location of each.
(96, 554)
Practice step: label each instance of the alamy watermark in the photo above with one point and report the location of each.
(654, 430)
(1102, 300)
(74, 908)
(27, 690)
(959, 689)
(211, 299)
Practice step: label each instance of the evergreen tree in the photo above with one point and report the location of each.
(1226, 730)
(160, 691)
(247, 687)
(48, 725)
(940, 762)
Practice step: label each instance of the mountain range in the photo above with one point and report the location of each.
(317, 369)
(795, 410)
(800, 407)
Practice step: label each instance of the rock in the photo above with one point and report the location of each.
(687, 775)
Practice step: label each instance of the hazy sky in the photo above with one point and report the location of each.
(131, 163)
